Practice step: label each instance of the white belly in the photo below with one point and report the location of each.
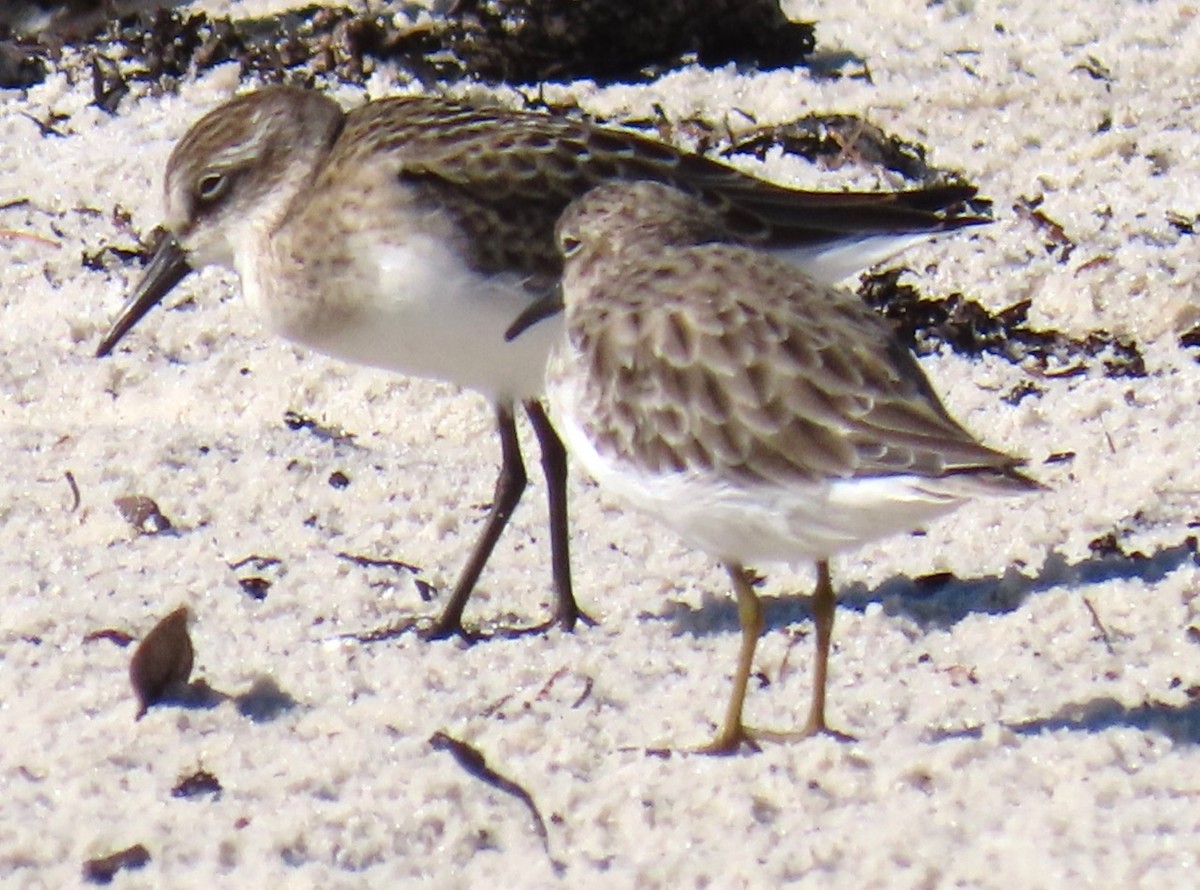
(413, 308)
(761, 523)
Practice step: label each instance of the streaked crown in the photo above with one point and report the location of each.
(242, 164)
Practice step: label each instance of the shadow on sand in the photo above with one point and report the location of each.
(1179, 724)
(941, 601)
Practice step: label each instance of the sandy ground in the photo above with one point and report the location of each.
(1030, 723)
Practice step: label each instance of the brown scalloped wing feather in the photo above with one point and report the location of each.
(501, 170)
(759, 375)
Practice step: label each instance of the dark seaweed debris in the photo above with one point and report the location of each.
(164, 45)
(837, 139)
(294, 420)
(534, 40)
(968, 328)
(20, 66)
(1190, 339)
(490, 40)
(197, 783)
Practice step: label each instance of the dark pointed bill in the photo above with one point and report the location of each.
(539, 310)
(167, 268)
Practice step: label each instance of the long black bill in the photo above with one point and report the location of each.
(167, 268)
(539, 310)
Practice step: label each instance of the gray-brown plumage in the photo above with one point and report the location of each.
(719, 359)
(406, 234)
(759, 413)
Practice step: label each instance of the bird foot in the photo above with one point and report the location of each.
(810, 730)
(566, 621)
(731, 740)
(448, 626)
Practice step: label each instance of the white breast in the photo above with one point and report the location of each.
(413, 307)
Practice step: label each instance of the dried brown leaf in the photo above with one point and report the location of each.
(162, 662)
(199, 782)
(102, 869)
(143, 514)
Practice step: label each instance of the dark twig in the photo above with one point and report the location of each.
(370, 562)
(102, 870)
(471, 760)
(1099, 625)
(75, 498)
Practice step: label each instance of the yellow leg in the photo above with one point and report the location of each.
(732, 734)
(824, 605)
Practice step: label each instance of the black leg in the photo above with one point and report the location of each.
(554, 466)
(509, 487)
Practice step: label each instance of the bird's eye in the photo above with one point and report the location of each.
(211, 186)
(568, 244)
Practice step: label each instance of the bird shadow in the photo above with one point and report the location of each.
(1181, 725)
(941, 601)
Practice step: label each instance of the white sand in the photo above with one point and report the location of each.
(1002, 740)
